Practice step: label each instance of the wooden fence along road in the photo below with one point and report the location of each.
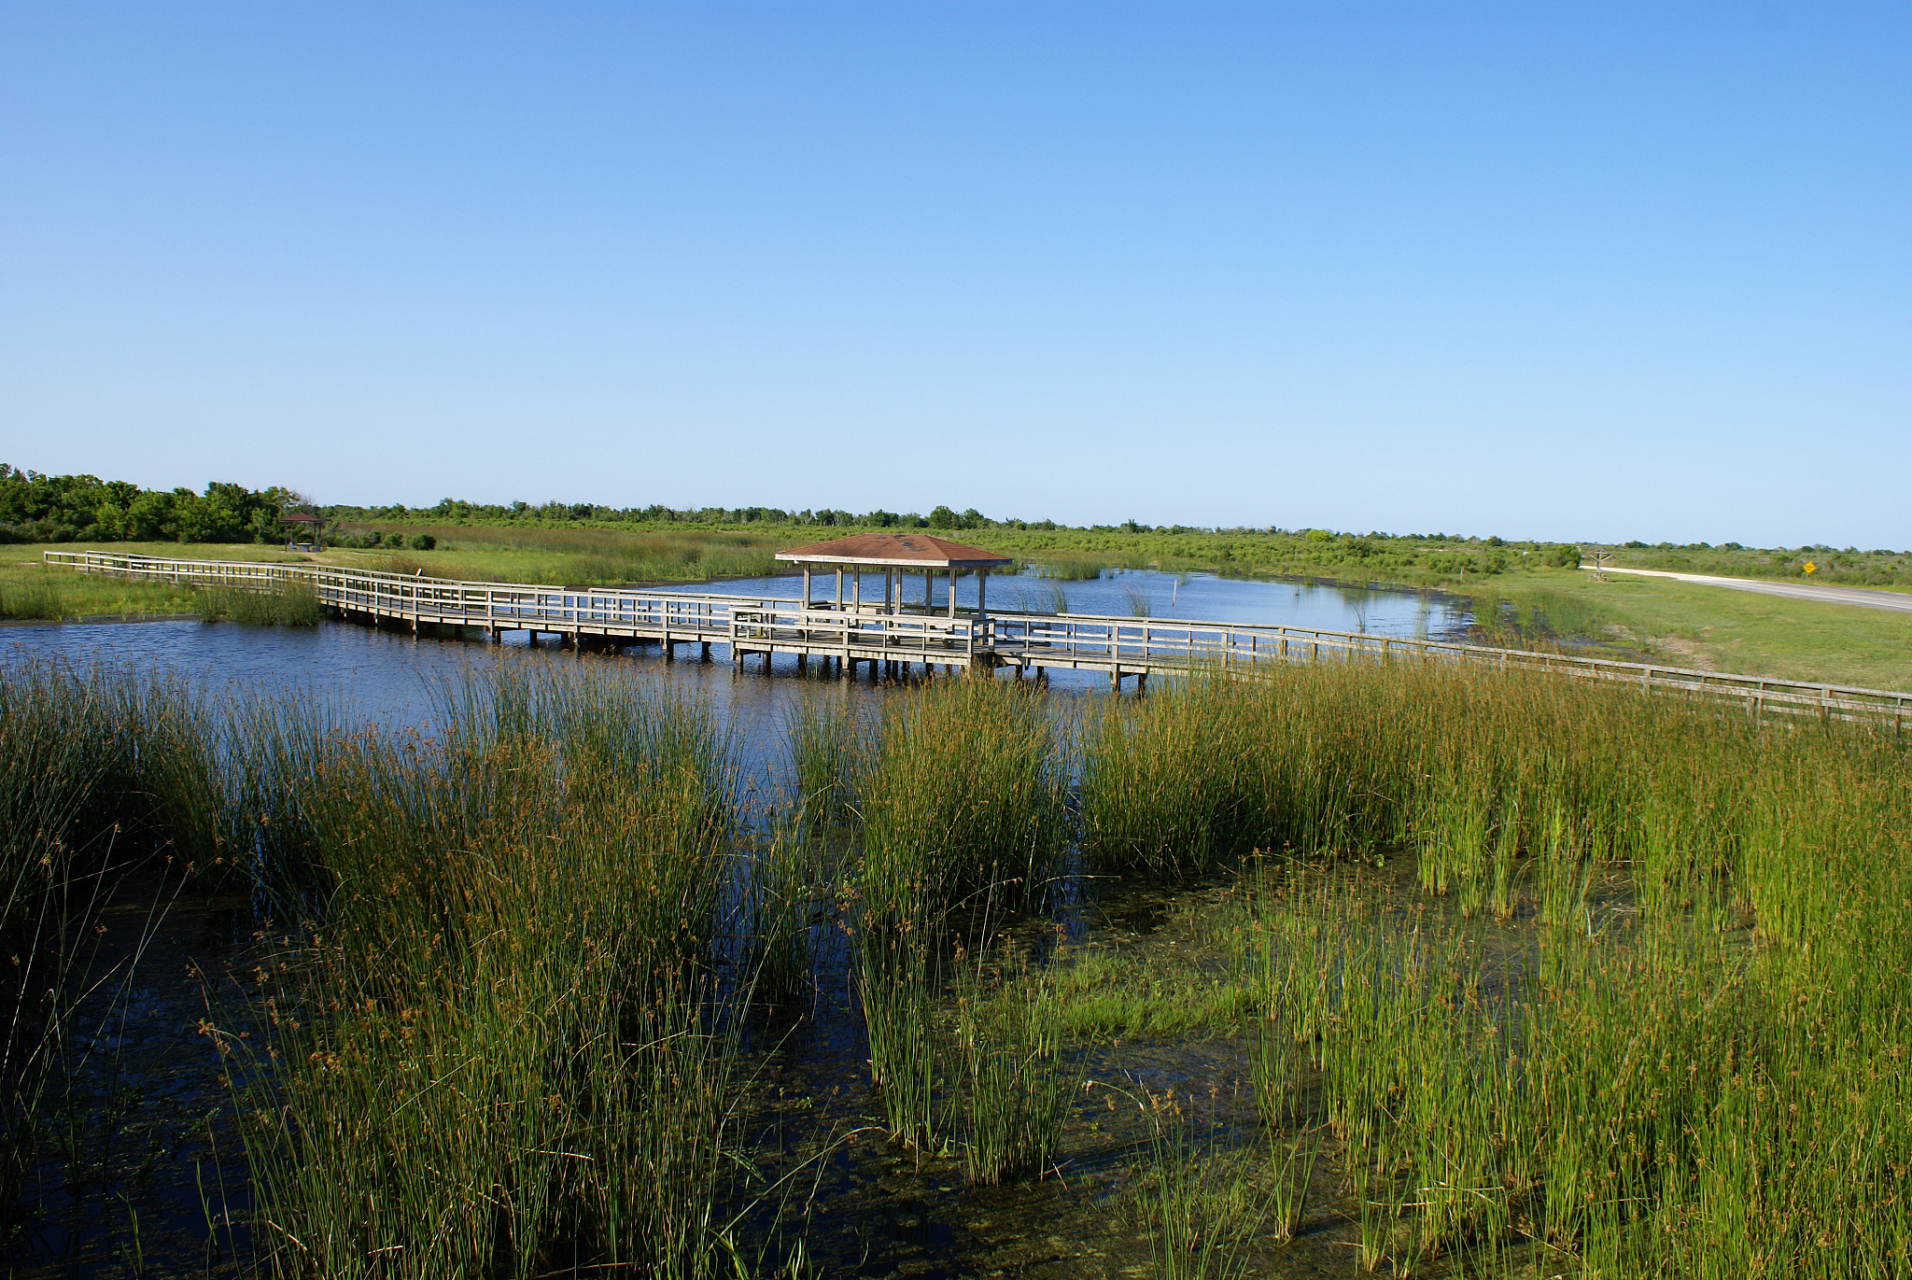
(607, 617)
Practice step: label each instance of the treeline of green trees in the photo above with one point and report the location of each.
(453, 511)
(548, 514)
(42, 508)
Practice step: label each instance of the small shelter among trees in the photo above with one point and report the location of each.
(305, 527)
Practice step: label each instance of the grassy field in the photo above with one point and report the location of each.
(1719, 629)
(574, 557)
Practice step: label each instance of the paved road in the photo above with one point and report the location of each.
(1864, 597)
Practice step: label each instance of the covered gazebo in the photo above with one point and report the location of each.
(303, 523)
(894, 555)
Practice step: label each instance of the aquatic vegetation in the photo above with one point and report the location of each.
(1631, 1092)
(1201, 1203)
(289, 604)
(899, 976)
(962, 801)
(1018, 1079)
(1105, 994)
(827, 748)
(1505, 967)
(505, 1036)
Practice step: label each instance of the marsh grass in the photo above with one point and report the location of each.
(961, 798)
(788, 886)
(32, 600)
(290, 604)
(35, 592)
(1625, 1090)
(506, 1043)
(1018, 1079)
(581, 557)
(1070, 567)
(1640, 1008)
(1201, 1203)
(104, 775)
(1614, 1084)
(50, 762)
(828, 747)
(900, 974)
(962, 811)
(1114, 995)
(1540, 617)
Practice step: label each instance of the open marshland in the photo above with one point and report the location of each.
(1387, 969)
(1506, 600)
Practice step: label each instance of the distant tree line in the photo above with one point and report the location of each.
(42, 508)
(458, 511)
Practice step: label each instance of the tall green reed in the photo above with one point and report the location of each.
(103, 773)
(827, 750)
(286, 604)
(962, 810)
(503, 1044)
(962, 796)
(1017, 1078)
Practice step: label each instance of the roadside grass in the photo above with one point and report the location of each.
(1690, 624)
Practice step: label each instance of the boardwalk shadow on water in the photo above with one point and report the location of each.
(565, 969)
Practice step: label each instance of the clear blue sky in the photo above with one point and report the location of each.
(1542, 271)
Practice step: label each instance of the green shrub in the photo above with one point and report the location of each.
(423, 542)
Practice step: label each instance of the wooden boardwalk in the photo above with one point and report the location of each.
(895, 639)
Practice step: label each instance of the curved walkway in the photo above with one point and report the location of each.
(1864, 597)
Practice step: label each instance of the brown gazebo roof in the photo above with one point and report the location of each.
(901, 550)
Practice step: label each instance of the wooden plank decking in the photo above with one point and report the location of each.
(1121, 648)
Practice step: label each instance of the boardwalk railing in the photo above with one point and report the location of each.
(1118, 646)
(1151, 645)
